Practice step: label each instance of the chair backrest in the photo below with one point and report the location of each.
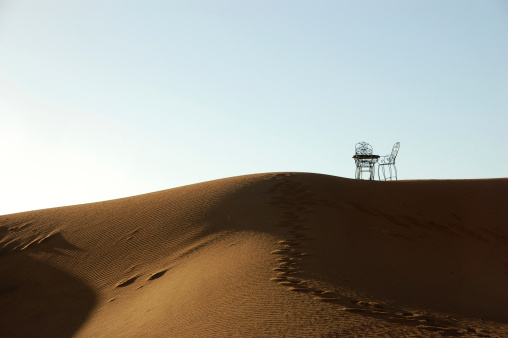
(363, 148)
(395, 150)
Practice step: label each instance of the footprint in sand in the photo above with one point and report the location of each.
(302, 288)
(286, 273)
(287, 283)
(287, 195)
(127, 282)
(157, 275)
(299, 254)
(283, 268)
(288, 242)
(281, 252)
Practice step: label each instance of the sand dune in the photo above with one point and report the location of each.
(277, 254)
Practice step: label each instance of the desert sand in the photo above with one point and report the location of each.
(265, 255)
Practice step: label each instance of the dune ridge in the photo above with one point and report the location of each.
(275, 254)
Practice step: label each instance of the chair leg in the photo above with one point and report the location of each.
(392, 172)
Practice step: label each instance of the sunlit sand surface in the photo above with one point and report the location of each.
(267, 255)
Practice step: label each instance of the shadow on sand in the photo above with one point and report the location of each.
(38, 299)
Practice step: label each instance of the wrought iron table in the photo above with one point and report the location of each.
(365, 162)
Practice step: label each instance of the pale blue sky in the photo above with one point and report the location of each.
(105, 99)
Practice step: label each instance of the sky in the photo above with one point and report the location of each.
(103, 99)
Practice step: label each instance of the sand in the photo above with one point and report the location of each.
(266, 255)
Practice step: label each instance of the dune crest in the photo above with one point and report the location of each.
(273, 254)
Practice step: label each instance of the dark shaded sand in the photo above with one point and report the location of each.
(278, 254)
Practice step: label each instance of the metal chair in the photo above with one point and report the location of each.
(389, 162)
(364, 160)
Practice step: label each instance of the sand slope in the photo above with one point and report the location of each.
(278, 254)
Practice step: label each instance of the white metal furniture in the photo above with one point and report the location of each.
(364, 160)
(387, 164)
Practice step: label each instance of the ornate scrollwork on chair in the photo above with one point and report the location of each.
(387, 163)
(363, 148)
(364, 160)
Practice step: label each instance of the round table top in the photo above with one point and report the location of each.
(366, 156)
